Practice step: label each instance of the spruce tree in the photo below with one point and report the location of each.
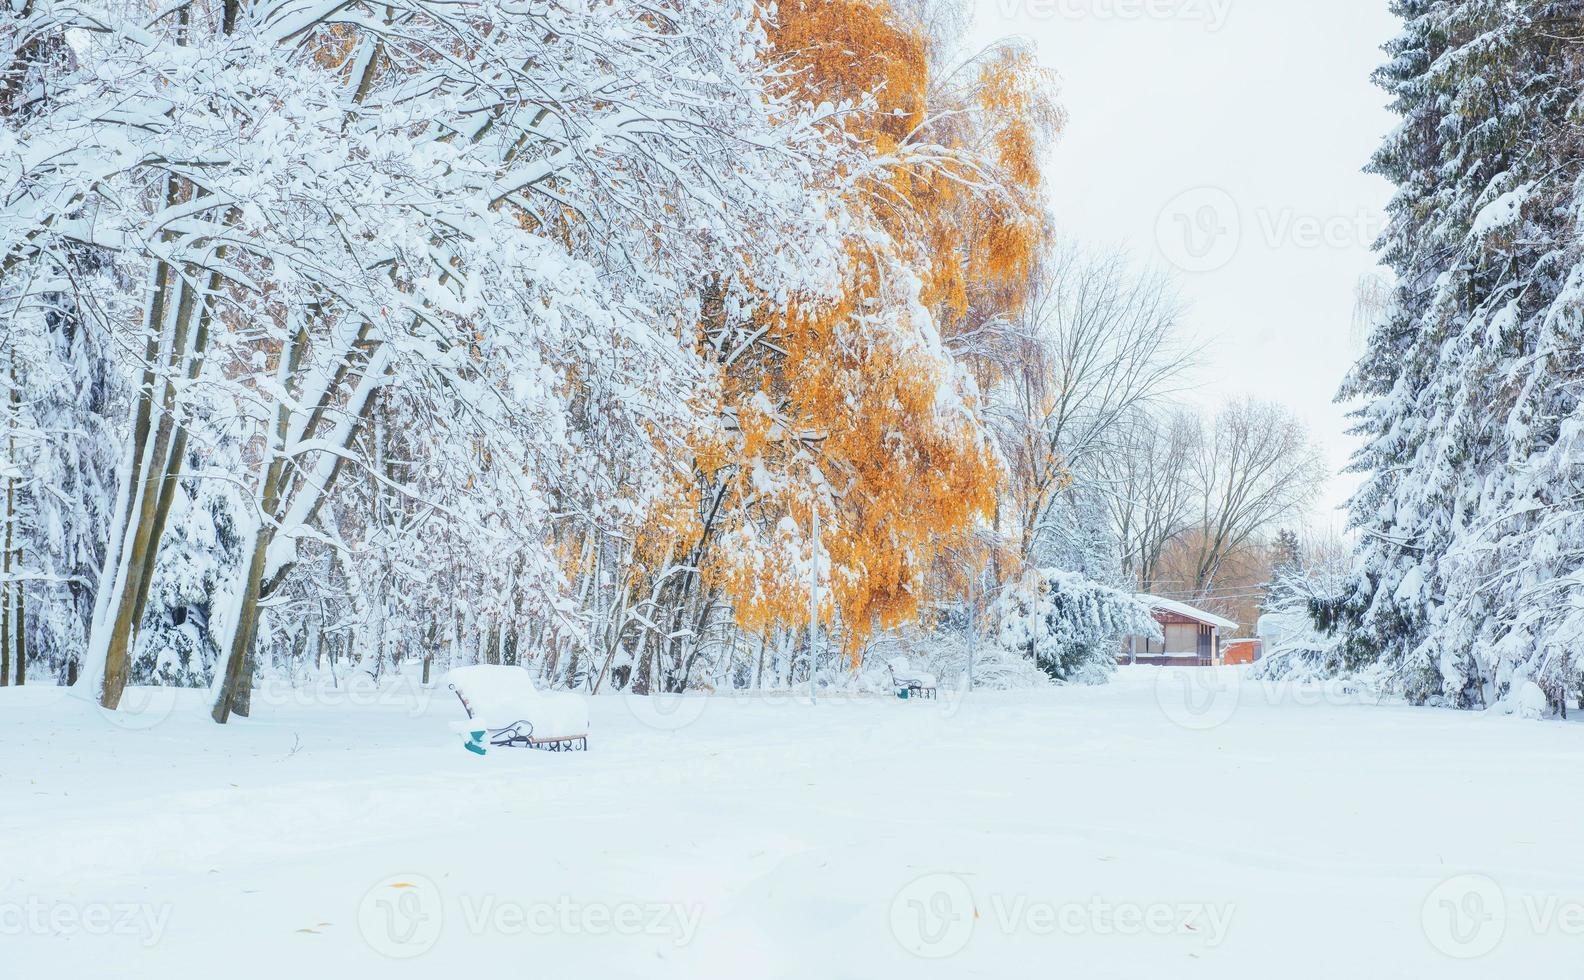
(1469, 384)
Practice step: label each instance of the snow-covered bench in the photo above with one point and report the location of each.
(503, 703)
(917, 683)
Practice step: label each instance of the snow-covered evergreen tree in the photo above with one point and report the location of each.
(1470, 541)
(193, 582)
(1287, 563)
(74, 395)
(1070, 626)
(62, 384)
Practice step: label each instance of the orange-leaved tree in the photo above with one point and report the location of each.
(856, 401)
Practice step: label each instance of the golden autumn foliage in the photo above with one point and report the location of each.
(854, 403)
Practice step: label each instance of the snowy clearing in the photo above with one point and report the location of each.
(1108, 832)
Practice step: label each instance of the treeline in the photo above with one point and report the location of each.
(510, 332)
(343, 335)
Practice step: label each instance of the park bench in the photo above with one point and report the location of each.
(912, 683)
(503, 704)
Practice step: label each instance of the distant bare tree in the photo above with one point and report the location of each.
(1098, 345)
(1151, 498)
(1374, 297)
(1254, 468)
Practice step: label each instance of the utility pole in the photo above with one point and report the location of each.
(814, 601)
(973, 625)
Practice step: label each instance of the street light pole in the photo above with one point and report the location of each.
(973, 625)
(814, 601)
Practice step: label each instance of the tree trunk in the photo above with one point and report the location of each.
(5, 619)
(319, 640)
(230, 696)
(21, 629)
(492, 652)
(429, 649)
(165, 491)
(237, 659)
(6, 585)
(109, 639)
(242, 700)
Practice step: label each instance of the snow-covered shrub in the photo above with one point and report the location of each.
(934, 649)
(1296, 649)
(176, 644)
(1069, 626)
(943, 648)
(1311, 581)
(997, 668)
(67, 445)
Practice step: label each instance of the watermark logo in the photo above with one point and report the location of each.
(1198, 698)
(1288, 228)
(1203, 229)
(1202, 698)
(1200, 230)
(933, 916)
(401, 917)
(1103, 917)
(1465, 917)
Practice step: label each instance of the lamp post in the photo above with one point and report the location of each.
(973, 626)
(814, 601)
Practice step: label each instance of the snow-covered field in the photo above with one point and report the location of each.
(1157, 827)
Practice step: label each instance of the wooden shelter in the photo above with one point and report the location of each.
(1193, 637)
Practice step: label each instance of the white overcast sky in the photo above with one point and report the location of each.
(1225, 140)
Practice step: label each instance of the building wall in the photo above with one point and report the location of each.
(1242, 652)
(1182, 638)
(1182, 647)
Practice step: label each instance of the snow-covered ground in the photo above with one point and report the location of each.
(1157, 827)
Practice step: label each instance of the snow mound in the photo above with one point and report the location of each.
(501, 696)
(1529, 701)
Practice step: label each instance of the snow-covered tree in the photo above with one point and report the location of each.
(523, 333)
(76, 393)
(1309, 576)
(1470, 539)
(1070, 626)
(194, 576)
(1097, 346)
(62, 395)
(504, 213)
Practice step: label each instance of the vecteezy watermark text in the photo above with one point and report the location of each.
(1204, 228)
(935, 916)
(404, 916)
(140, 921)
(567, 917)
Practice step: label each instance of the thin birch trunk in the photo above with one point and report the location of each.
(21, 628)
(5, 591)
(109, 647)
(11, 594)
(238, 657)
